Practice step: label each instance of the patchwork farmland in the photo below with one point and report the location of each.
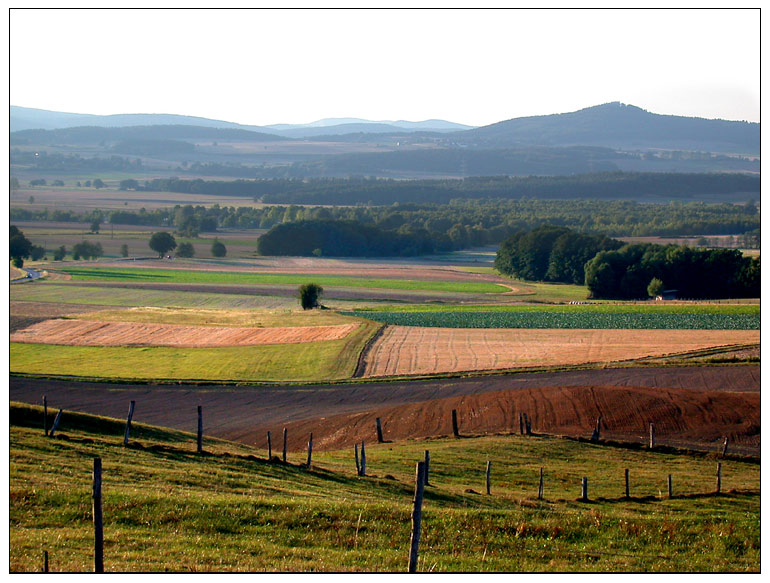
(228, 336)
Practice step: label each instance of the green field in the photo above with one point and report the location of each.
(69, 294)
(167, 508)
(180, 276)
(572, 319)
(309, 361)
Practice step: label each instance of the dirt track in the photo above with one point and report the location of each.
(246, 413)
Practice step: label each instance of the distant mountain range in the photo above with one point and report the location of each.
(25, 118)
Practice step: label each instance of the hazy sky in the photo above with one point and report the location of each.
(469, 66)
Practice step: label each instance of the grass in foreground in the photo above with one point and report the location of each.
(169, 509)
(309, 361)
(177, 276)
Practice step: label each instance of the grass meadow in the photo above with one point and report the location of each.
(308, 361)
(167, 508)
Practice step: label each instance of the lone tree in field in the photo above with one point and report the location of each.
(162, 242)
(309, 293)
(218, 248)
(185, 250)
(655, 288)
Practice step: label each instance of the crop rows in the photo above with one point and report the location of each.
(607, 321)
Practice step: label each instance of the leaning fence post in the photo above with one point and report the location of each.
(285, 435)
(489, 476)
(97, 516)
(309, 450)
(419, 489)
(427, 467)
(455, 428)
(597, 431)
(128, 422)
(200, 429)
(358, 464)
(627, 484)
(540, 486)
(269, 447)
(45, 416)
(363, 458)
(56, 421)
(652, 436)
(719, 477)
(379, 431)
(724, 447)
(584, 490)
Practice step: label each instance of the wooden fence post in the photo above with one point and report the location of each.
(724, 447)
(528, 421)
(310, 450)
(719, 477)
(363, 458)
(427, 467)
(128, 422)
(45, 416)
(597, 430)
(455, 428)
(285, 436)
(670, 486)
(269, 447)
(56, 421)
(419, 489)
(521, 424)
(584, 490)
(540, 486)
(627, 484)
(379, 431)
(200, 429)
(45, 561)
(489, 481)
(652, 436)
(97, 516)
(358, 464)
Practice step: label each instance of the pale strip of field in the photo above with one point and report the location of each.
(406, 350)
(88, 333)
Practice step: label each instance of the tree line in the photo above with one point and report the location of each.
(614, 270)
(641, 186)
(467, 222)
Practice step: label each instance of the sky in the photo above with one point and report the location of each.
(475, 67)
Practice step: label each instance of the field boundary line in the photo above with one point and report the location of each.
(359, 372)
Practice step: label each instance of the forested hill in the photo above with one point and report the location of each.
(95, 135)
(616, 125)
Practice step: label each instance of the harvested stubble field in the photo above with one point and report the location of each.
(406, 350)
(101, 333)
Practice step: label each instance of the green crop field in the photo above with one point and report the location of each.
(167, 508)
(602, 308)
(237, 278)
(553, 319)
(82, 294)
(308, 361)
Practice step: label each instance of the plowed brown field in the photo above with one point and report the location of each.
(87, 333)
(682, 417)
(407, 350)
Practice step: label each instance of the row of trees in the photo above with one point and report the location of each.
(550, 253)
(467, 222)
(636, 271)
(615, 270)
(343, 239)
(164, 242)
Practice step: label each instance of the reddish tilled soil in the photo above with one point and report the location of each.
(412, 350)
(94, 333)
(681, 417)
(693, 404)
